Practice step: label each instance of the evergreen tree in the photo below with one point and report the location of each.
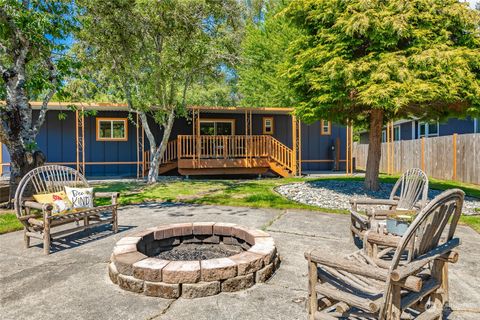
(379, 60)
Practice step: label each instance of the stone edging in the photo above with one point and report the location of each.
(133, 270)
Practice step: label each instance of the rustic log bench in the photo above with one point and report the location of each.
(38, 219)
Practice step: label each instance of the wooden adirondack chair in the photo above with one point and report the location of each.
(409, 192)
(413, 286)
(37, 218)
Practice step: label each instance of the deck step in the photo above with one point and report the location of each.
(165, 167)
(280, 170)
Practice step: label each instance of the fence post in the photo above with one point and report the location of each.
(422, 154)
(454, 147)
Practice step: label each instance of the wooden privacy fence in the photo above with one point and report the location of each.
(455, 157)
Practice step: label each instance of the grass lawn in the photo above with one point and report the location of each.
(243, 193)
(9, 222)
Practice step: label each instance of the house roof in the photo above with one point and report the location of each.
(110, 106)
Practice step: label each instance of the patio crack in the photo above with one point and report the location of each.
(275, 219)
(304, 234)
(164, 311)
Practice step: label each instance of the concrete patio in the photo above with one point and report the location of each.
(72, 282)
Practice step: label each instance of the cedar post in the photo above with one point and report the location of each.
(454, 147)
(337, 150)
(388, 146)
(294, 145)
(422, 154)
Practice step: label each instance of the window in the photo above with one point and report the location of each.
(217, 127)
(267, 125)
(112, 129)
(396, 133)
(426, 129)
(325, 128)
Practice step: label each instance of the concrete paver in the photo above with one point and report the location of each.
(72, 282)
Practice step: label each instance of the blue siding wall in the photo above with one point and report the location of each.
(57, 140)
(446, 128)
(318, 147)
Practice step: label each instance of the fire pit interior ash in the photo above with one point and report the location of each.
(193, 260)
(199, 251)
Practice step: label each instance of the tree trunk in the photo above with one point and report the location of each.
(374, 150)
(156, 157)
(22, 161)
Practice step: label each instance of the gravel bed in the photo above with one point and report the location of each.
(194, 251)
(336, 194)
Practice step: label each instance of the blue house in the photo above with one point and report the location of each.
(415, 129)
(111, 142)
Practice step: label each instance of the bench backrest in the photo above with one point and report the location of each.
(411, 189)
(46, 179)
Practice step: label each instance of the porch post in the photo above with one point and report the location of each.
(197, 128)
(349, 151)
(140, 135)
(79, 140)
(294, 145)
(299, 146)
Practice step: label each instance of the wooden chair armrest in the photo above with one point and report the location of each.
(340, 263)
(357, 217)
(38, 206)
(378, 202)
(106, 194)
(413, 283)
(413, 267)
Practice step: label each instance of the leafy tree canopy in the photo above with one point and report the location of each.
(264, 49)
(408, 58)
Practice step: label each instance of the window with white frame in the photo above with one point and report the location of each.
(396, 134)
(426, 129)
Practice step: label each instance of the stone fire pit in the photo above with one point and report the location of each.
(193, 260)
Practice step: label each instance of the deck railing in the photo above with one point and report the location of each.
(234, 147)
(169, 155)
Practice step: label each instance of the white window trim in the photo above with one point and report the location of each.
(427, 129)
(399, 132)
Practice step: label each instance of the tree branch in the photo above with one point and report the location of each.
(20, 46)
(43, 110)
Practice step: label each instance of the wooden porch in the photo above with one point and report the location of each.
(232, 154)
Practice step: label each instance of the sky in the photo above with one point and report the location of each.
(472, 3)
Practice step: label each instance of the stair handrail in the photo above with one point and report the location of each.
(281, 153)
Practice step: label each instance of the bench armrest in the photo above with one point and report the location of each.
(38, 206)
(112, 195)
(106, 194)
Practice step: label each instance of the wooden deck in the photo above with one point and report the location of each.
(235, 154)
